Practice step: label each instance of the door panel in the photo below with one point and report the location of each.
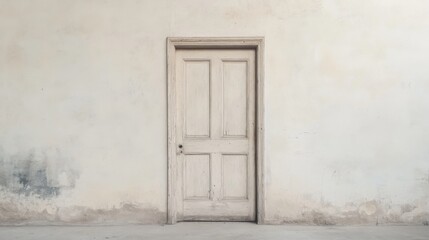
(197, 98)
(234, 177)
(234, 98)
(197, 176)
(215, 134)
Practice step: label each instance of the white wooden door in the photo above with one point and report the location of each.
(215, 134)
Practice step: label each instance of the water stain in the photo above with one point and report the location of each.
(12, 213)
(29, 173)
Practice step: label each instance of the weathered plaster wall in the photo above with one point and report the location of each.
(83, 107)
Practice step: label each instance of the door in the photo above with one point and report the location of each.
(215, 134)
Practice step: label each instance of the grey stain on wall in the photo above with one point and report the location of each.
(41, 173)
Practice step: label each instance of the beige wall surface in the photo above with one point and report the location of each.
(83, 116)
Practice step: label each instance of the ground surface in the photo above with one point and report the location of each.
(203, 231)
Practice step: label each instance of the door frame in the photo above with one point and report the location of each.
(175, 43)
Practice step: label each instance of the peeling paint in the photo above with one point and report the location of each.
(369, 212)
(35, 211)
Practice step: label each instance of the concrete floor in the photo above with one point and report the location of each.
(223, 231)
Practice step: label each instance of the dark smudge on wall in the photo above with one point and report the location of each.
(42, 173)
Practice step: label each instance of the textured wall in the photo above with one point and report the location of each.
(83, 107)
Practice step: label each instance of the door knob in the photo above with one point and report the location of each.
(180, 149)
